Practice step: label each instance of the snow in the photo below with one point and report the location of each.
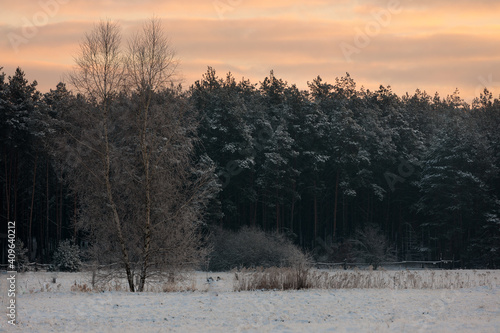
(53, 307)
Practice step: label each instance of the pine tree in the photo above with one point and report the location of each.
(455, 195)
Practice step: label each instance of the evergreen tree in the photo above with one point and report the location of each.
(455, 196)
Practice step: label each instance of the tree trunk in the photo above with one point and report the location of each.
(47, 210)
(147, 234)
(75, 201)
(254, 215)
(8, 176)
(335, 206)
(30, 241)
(277, 213)
(116, 217)
(293, 206)
(147, 188)
(16, 184)
(264, 222)
(147, 230)
(60, 213)
(315, 213)
(344, 227)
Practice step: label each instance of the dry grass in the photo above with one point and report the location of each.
(83, 288)
(181, 283)
(176, 286)
(45, 287)
(273, 278)
(301, 278)
(405, 279)
(172, 283)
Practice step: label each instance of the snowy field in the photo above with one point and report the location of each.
(45, 306)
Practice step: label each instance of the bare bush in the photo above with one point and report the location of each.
(273, 278)
(330, 251)
(21, 256)
(371, 246)
(252, 247)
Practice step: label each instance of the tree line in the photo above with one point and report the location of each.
(322, 163)
(142, 170)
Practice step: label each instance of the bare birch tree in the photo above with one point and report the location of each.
(150, 65)
(131, 137)
(99, 77)
(175, 190)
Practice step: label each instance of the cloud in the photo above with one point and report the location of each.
(47, 75)
(432, 45)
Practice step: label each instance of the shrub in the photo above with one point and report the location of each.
(67, 257)
(273, 278)
(371, 246)
(252, 247)
(330, 251)
(21, 256)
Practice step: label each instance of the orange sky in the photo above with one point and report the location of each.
(428, 44)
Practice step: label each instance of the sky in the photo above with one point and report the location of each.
(433, 45)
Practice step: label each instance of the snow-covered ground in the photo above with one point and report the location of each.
(44, 306)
